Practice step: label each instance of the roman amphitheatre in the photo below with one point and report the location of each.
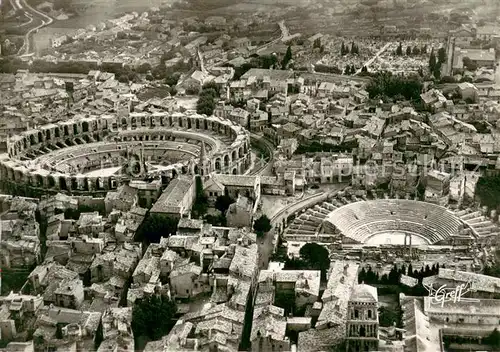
(93, 155)
(357, 221)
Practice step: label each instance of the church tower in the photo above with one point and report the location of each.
(362, 319)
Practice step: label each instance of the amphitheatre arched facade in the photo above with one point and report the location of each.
(70, 156)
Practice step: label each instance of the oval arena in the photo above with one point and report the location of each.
(93, 154)
(354, 220)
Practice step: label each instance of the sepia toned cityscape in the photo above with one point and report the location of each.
(249, 175)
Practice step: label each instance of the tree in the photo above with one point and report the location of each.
(432, 61)
(317, 257)
(399, 50)
(287, 58)
(211, 88)
(385, 84)
(342, 49)
(469, 64)
(387, 316)
(416, 50)
(408, 51)
(437, 71)
(442, 55)
(353, 69)
(362, 275)
(262, 225)
(155, 226)
(59, 333)
(347, 70)
(200, 205)
(354, 49)
(493, 339)
(144, 68)
(222, 203)
(172, 79)
(153, 317)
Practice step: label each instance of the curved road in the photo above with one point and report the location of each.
(270, 150)
(37, 19)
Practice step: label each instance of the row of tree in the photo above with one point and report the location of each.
(344, 49)
(369, 276)
(415, 51)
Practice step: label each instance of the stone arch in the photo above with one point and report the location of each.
(226, 160)
(124, 123)
(133, 122)
(152, 121)
(40, 137)
(85, 127)
(32, 139)
(235, 171)
(66, 130)
(205, 124)
(196, 170)
(180, 122)
(47, 135)
(189, 124)
(25, 143)
(143, 121)
(240, 152)
(62, 184)
(74, 183)
(51, 182)
(85, 184)
(245, 148)
(197, 122)
(98, 183)
(217, 164)
(170, 121)
(18, 176)
(39, 180)
(57, 132)
(75, 129)
(233, 155)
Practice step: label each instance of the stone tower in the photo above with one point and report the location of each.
(362, 319)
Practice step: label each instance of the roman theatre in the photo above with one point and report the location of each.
(93, 155)
(354, 220)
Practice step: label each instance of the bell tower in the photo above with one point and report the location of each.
(362, 319)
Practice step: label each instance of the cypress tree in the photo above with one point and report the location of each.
(432, 61)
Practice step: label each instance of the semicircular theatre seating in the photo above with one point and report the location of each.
(481, 225)
(360, 220)
(305, 227)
